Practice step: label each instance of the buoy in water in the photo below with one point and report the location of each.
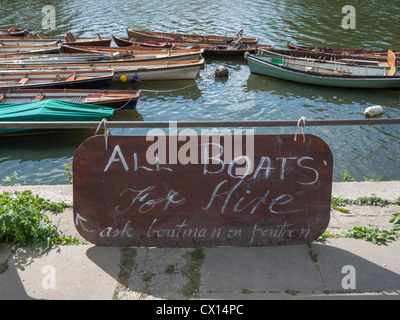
(123, 78)
(374, 111)
(221, 71)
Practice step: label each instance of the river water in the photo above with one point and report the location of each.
(371, 152)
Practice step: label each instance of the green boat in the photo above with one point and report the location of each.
(315, 72)
(51, 111)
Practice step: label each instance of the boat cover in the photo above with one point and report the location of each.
(51, 110)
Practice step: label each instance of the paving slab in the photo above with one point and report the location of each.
(259, 269)
(388, 190)
(83, 272)
(375, 268)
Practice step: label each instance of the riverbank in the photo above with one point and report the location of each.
(340, 268)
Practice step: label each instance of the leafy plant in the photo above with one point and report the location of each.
(395, 221)
(336, 202)
(371, 201)
(192, 270)
(9, 181)
(24, 223)
(326, 235)
(347, 177)
(68, 172)
(369, 233)
(373, 180)
(197, 254)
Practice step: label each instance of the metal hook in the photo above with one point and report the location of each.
(302, 119)
(106, 131)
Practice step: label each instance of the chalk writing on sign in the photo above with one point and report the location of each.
(281, 196)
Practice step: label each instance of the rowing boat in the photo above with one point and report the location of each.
(326, 57)
(142, 70)
(236, 48)
(31, 49)
(63, 58)
(135, 55)
(323, 73)
(51, 111)
(358, 52)
(342, 51)
(55, 79)
(69, 38)
(10, 41)
(117, 99)
(140, 34)
(14, 32)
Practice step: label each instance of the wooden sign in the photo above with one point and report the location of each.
(170, 193)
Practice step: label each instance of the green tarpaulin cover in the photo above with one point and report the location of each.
(51, 110)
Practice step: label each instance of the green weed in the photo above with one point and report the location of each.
(372, 234)
(24, 223)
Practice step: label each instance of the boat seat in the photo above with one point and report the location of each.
(69, 37)
(93, 97)
(59, 78)
(38, 97)
(116, 95)
(75, 99)
(392, 71)
(23, 81)
(383, 64)
(81, 78)
(71, 77)
(2, 97)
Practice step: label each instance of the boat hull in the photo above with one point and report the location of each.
(139, 34)
(121, 54)
(156, 70)
(258, 65)
(85, 79)
(51, 111)
(116, 99)
(188, 72)
(210, 49)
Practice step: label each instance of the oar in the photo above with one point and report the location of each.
(391, 63)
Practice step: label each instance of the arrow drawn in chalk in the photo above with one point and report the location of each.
(79, 220)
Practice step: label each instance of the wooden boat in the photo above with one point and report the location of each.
(146, 44)
(55, 79)
(62, 58)
(341, 51)
(117, 99)
(10, 41)
(327, 57)
(240, 50)
(325, 74)
(233, 49)
(142, 70)
(14, 32)
(354, 53)
(140, 34)
(51, 111)
(69, 38)
(31, 49)
(115, 54)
